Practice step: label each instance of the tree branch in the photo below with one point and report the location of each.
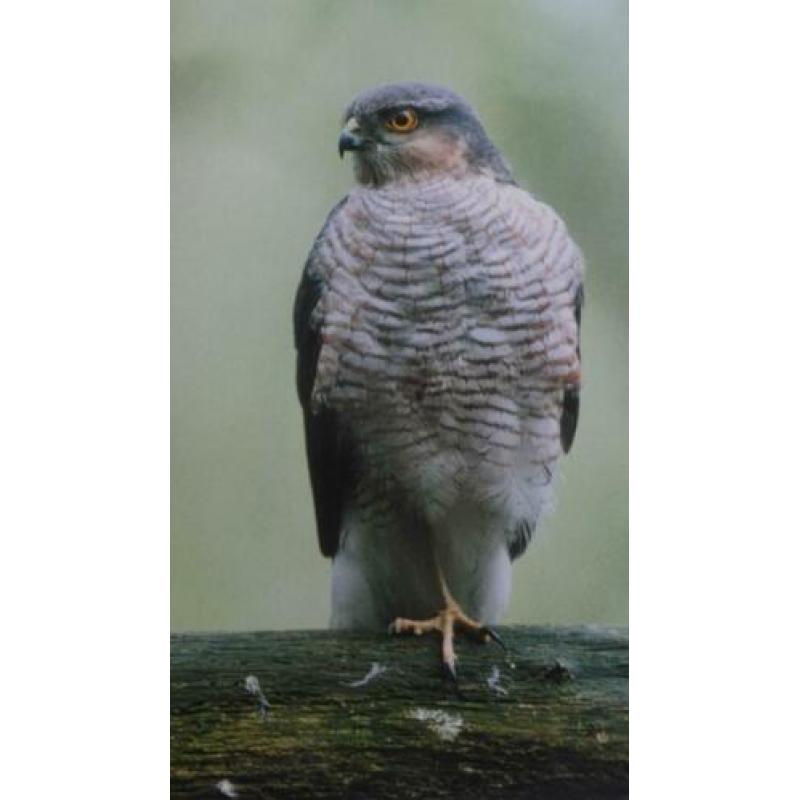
(329, 714)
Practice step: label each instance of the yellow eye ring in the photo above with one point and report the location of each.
(403, 121)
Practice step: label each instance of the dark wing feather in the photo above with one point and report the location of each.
(520, 538)
(571, 406)
(522, 534)
(329, 449)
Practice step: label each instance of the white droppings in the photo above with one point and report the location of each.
(375, 670)
(493, 681)
(252, 686)
(226, 787)
(446, 726)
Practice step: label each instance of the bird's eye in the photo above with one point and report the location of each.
(403, 121)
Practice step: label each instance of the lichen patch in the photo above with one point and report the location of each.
(493, 681)
(446, 726)
(227, 788)
(253, 687)
(374, 671)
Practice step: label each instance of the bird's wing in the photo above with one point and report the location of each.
(562, 265)
(329, 448)
(572, 394)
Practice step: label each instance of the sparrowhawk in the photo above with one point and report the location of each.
(438, 367)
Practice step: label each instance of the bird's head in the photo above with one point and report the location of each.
(408, 130)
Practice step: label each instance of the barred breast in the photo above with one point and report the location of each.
(449, 335)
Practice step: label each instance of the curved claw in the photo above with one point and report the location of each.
(450, 671)
(488, 633)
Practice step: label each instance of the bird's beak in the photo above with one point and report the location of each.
(350, 141)
(351, 138)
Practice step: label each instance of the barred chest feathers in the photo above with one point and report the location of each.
(448, 335)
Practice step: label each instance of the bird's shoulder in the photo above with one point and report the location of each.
(560, 267)
(312, 278)
(530, 206)
(330, 451)
(543, 231)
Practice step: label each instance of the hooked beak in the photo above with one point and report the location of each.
(351, 138)
(350, 141)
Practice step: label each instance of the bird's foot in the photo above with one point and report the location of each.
(447, 621)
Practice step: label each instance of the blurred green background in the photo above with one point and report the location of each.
(258, 88)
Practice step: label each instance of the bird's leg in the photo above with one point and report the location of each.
(446, 621)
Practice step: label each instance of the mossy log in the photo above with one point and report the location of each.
(334, 715)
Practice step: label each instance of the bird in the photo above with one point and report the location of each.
(436, 327)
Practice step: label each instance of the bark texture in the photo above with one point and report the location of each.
(333, 715)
